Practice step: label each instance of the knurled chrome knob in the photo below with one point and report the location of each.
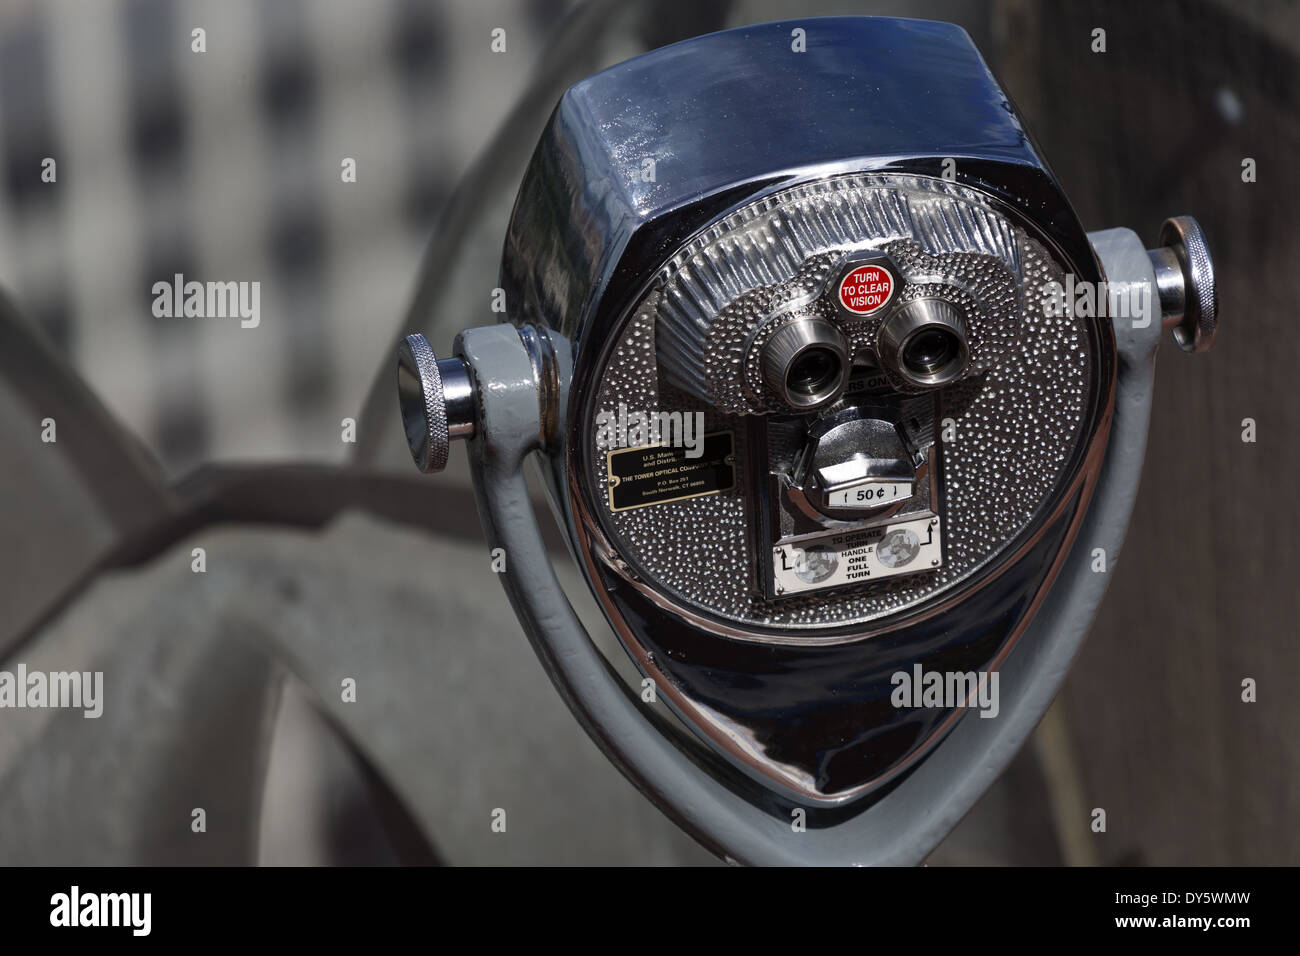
(436, 399)
(1189, 302)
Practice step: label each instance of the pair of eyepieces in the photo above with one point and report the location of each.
(807, 361)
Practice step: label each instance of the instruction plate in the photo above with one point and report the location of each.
(854, 557)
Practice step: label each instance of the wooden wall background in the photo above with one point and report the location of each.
(1205, 593)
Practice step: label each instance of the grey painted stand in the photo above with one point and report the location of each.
(908, 823)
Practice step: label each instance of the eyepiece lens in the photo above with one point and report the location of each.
(813, 371)
(805, 362)
(930, 350)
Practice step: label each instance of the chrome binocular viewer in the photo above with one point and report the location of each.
(836, 402)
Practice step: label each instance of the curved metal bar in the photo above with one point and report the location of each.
(75, 497)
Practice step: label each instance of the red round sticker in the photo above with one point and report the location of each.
(866, 289)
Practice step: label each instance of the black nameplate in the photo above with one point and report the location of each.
(655, 474)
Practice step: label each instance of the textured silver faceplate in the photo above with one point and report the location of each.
(723, 294)
(1016, 426)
